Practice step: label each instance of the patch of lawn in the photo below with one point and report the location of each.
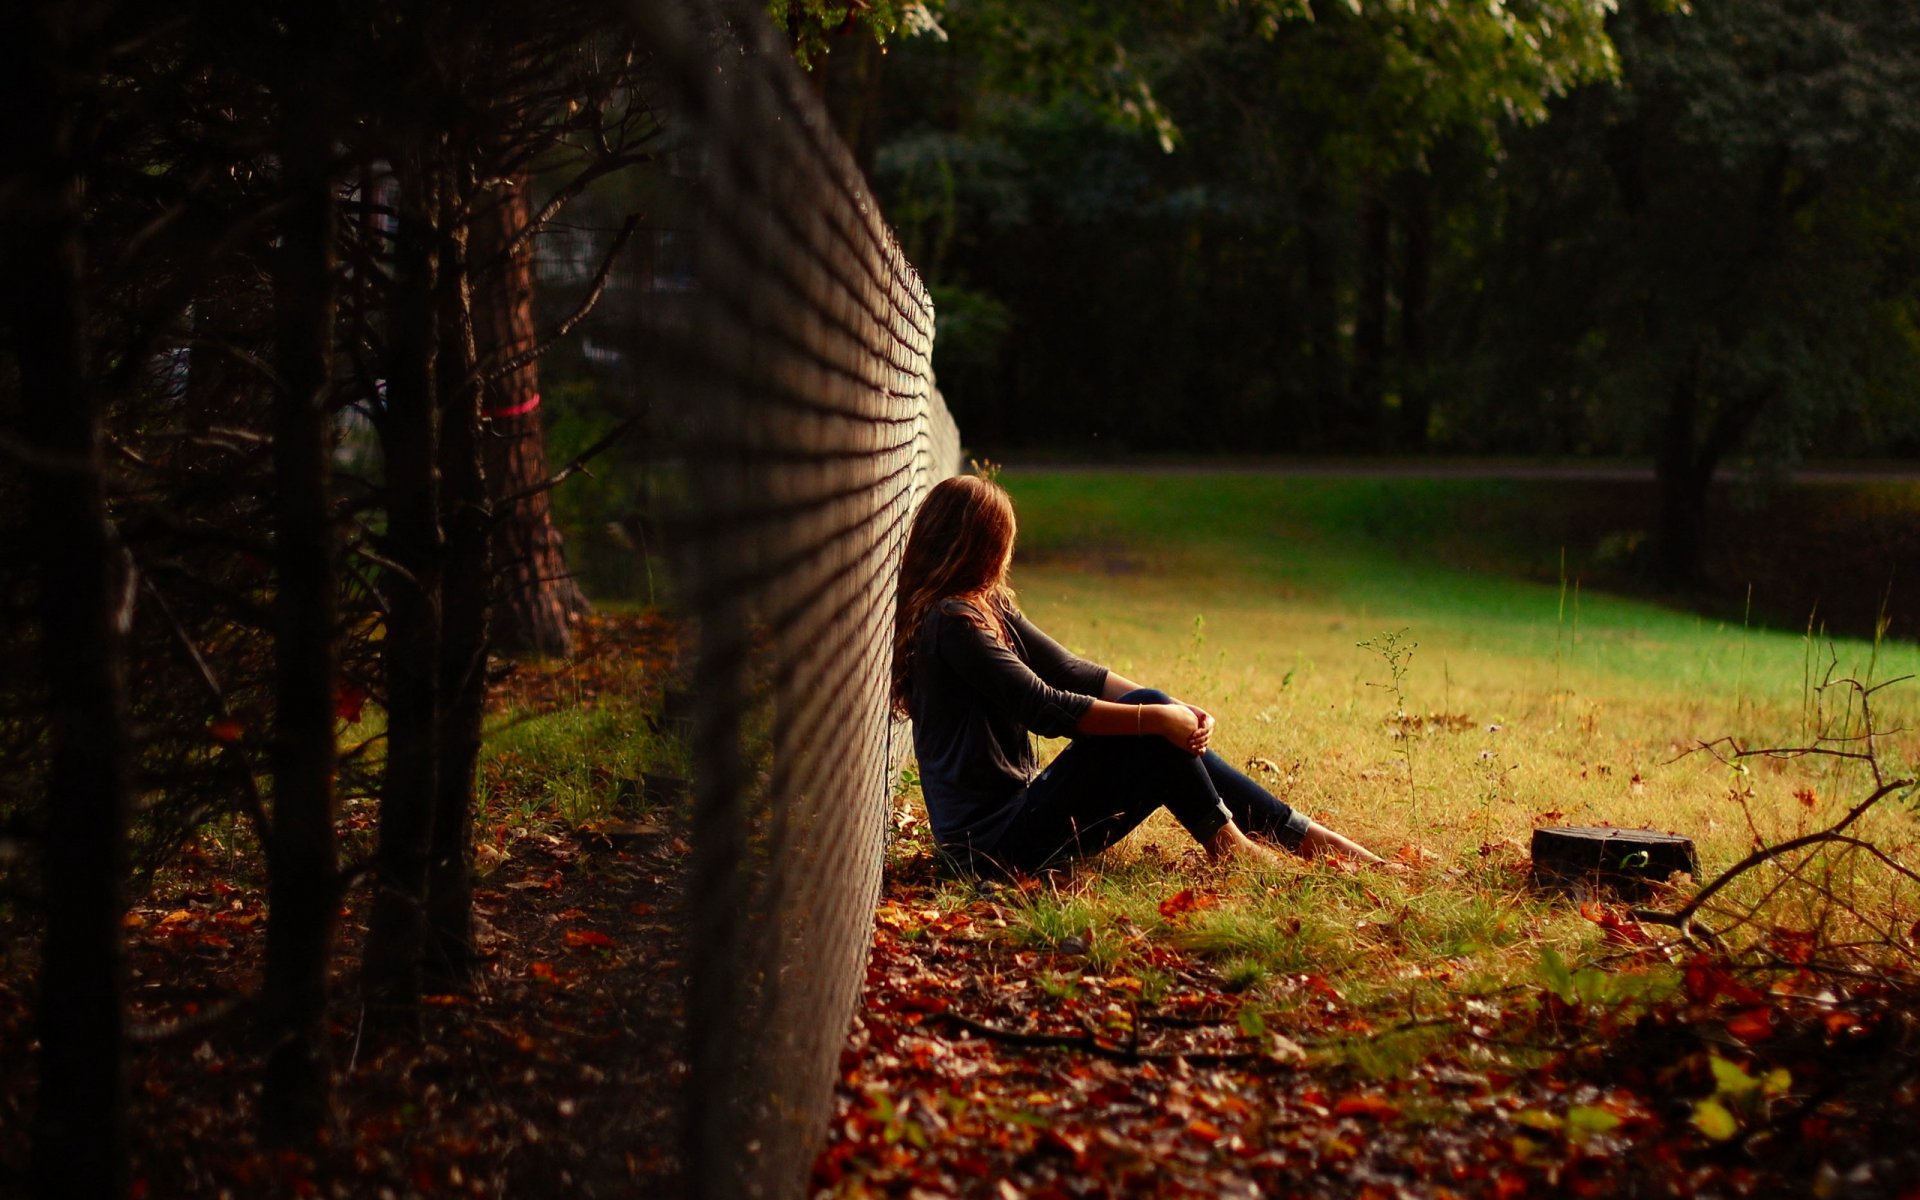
(573, 764)
(1518, 702)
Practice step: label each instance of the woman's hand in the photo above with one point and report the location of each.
(1204, 733)
(1184, 725)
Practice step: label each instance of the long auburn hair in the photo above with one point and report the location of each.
(957, 549)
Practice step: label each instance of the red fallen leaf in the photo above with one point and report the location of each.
(1073, 1143)
(1187, 900)
(1620, 930)
(570, 914)
(1794, 945)
(1706, 980)
(1509, 1185)
(587, 937)
(1204, 1129)
(1753, 1025)
(225, 730)
(349, 699)
(1367, 1104)
(1806, 796)
(1318, 985)
(921, 1002)
(543, 971)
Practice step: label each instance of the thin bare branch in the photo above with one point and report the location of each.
(579, 314)
(1682, 918)
(574, 466)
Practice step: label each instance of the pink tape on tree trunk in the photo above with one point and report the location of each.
(525, 406)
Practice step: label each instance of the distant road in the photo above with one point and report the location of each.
(1445, 469)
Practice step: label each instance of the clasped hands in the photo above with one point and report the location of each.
(1188, 726)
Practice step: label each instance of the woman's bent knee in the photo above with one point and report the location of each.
(1145, 696)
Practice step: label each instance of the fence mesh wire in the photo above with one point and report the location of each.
(802, 396)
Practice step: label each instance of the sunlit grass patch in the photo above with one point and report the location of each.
(1438, 713)
(574, 765)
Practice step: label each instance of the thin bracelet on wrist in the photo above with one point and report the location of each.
(1138, 711)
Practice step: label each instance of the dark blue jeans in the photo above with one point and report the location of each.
(1100, 788)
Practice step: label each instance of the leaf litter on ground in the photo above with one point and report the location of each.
(986, 1062)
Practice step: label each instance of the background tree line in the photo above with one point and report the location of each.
(270, 445)
(1683, 233)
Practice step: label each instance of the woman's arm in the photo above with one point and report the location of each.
(1053, 662)
(1178, 723)
(1002, 680)
(1118, 685)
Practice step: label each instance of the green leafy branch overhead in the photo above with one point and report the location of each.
(809, 24)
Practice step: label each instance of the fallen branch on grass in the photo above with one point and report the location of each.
(1086, 1042)
(1834, 834)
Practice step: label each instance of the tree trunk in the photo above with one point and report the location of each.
(537, 600)
(463, 649)
(1370, 321)
(82, 604)
(410, 437)
(1681, 480)
(302, 858)
(1416, 285)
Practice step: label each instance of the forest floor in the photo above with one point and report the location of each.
(983, 1063)
(557, 1075)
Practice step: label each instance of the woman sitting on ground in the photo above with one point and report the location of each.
(977, 678)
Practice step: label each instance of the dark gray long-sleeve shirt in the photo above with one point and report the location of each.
(974, 702)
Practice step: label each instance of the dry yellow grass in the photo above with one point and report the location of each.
(1519, 705)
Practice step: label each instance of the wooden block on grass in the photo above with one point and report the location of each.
(1625, 859)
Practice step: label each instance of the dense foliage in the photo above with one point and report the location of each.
(1520, 228)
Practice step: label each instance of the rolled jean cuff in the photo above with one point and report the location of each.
(1207, 822)
(1293, 830)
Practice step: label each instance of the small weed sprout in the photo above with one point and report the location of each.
(1396, 651)
(1493, 787)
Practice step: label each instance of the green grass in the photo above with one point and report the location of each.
(1251, 595)
(1565, 705)
(574, 765)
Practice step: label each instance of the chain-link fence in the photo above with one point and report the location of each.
(800, 393)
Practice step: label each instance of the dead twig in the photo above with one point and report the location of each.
(574, 466)
(490, 372)
(1682, 919)
(1087, 1043)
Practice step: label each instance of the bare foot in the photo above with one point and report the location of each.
(1321, 840)
(1230, 843)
